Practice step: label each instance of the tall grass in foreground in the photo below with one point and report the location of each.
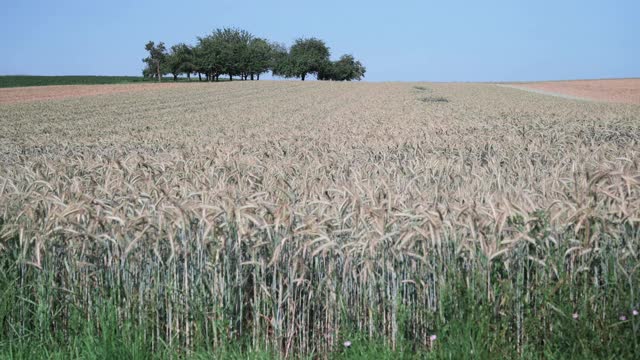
(152, 270)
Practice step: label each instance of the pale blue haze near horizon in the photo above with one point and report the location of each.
(396, 41)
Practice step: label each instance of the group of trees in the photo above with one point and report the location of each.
(234, 52)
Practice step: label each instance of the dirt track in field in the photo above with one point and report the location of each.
(615, 90)
(55, 92)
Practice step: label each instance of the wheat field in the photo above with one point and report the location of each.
(291, 217)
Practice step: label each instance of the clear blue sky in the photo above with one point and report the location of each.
(396, 40)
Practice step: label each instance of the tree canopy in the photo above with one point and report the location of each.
(307, 56)
(347, 68)
(181, 60)
(157, 59)
(236, 52)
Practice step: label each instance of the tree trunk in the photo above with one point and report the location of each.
(217, 78)
(199, 77)
(189, 76)
(303, 76)
(251, 76)
(230, 77)
(257, 76)
(175, 77)
(158, 71)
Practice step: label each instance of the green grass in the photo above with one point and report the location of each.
(36, 325)
(28, 80)
(458, 340)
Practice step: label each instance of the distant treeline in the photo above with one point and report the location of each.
(30, 80)
(235, 52)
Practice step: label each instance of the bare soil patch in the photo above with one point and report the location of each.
(616, 90)
(40, 93)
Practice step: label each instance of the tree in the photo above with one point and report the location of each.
(157, 57)
(345, 69)
(148, 73)
(259, 57)
(180, 60)
(224, 51)
(208, 56)
(280, 60)
(237, 52)
(234, 50)
(307, 56)
(349, 68)
(198, 59)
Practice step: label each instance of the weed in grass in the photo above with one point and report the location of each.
(434, 99)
